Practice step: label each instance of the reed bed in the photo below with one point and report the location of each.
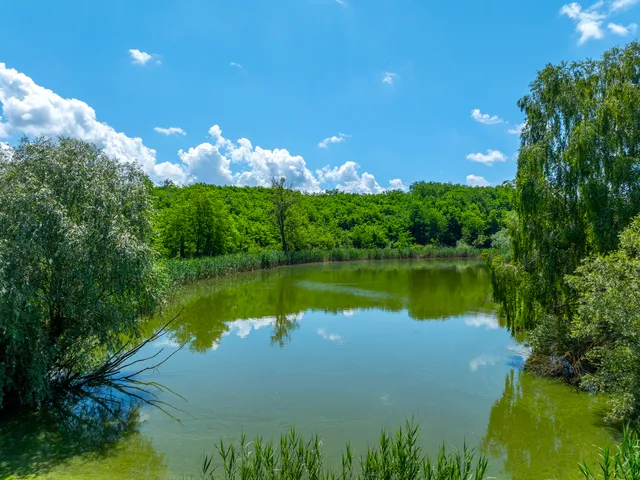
(190, 270)
(621, 464)
(396, 457)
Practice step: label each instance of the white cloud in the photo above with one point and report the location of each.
(623, 4)
(207, 164)
(389, 78)
(487, 321)
(170, 131)
(350, 312)
(141, 58)
(588, 22)
(396, 184)
(482, 361)
(349, 180)
(485, 118)
(489, 158)
(622, 30)
(29, 109)
(237, 65)
(341, 137)
(32, 110)
(329, 336)
(517, 129)
(476, 181)
(341, 2)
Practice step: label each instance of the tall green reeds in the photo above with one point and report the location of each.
(186, 271)
(623, 464)
(397, 457)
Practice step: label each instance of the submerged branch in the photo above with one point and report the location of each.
(112, 376)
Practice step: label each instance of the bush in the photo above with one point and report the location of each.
(607, 324)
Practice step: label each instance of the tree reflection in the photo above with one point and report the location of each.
(427, 290)
(541, 429)
(56, 438)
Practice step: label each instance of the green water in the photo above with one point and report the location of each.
(339, 350)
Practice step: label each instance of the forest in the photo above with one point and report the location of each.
(205, 220)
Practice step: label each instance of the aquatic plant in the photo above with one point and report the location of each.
(397, 457)
(190, 270)
(623, 464)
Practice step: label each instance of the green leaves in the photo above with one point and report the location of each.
(578, 180)
(76, 264)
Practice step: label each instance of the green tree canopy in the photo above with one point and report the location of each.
(578, 180)
(76, 264)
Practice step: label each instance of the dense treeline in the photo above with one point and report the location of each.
(204, 220)
(572, 277)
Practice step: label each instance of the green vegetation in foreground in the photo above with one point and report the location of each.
(572, 277)
(397, 457)
(189, 270)
(623, 464)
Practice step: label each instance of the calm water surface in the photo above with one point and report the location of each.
(339, 350)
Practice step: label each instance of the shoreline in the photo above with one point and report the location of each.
(184, 271)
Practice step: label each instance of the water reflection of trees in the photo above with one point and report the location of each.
(427, 290)
(41, 443)
(540, 429)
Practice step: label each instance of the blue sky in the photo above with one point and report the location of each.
(254, 87)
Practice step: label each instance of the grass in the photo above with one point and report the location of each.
(623, 464)
(397, 457)
(187, 271)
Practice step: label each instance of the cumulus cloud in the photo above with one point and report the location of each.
(29, 109)
(489, 158)
(396, 184)
(476, 181)
(32, 110)
(485, 118)
(622, 30)
(588, 22)
(141, 58)
(236, 65)
(623, 4)
(170, 131)
(389, 78)
(263, 164)
(348, 179)
(517, 129)
(341, 137)
(207, 164)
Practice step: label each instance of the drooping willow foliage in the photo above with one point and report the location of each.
(578, 180)
(77, 267)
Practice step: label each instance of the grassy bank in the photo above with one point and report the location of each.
(186, 271)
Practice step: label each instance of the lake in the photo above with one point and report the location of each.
(341, 350)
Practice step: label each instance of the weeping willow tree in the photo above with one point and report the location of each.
(578, 181)
(77, 268)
